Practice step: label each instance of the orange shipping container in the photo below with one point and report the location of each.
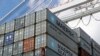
(29, 44)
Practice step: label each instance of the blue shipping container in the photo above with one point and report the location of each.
(8, 38)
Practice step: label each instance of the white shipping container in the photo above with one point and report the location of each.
(83, 35)
(1, 51)
(41, 15)
(59, 48)
(1, 40)
(7, 50)
(2, 29)
(9, 26)
(95, 53)
(96, 46)
(40, 41)
(86, 46)
(30, 19)
(29, 53)
(18, 47)
(62, 38)
(29, 32)
(18, 35)
(41, 28)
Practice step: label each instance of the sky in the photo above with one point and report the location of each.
(14, 8)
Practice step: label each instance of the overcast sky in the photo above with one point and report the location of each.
(5, 6)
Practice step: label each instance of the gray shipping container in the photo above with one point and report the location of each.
(30, 19)
(19, 23)
(95, 53)
(1, 51)
(59, 48)
(29, 53)
(83, 35)
(18, 35)
(29, 32)
(2, 29)
(18, 47)
(1, 40)
(47, 15)
(96, 46)
(86, 46)
(10, 26)
(7, 50)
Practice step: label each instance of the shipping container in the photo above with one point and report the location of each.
(50, 17)
(30, 19)
(95, 53)
(82, 52)
(41, 15)
(41, 28)
(45, 52)
(40, 41)
(2, 29)
(7, 50)
(18, 55)
(1, 40)
(1, 51)
(19, 23)
(10, 26)
(18, 47)
(83, 44)
(61, 37)
(28, 44)
(45, 40)
(96, 46)
(31, 53)
(29, 32)
(81, 34)
(18, 35)
(52, 30)
(59, 48)
(8, 38)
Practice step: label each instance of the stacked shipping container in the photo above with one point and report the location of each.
(84, 43)
(37, 34)
(43, 34)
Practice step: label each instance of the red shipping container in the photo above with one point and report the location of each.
(29, 44)
(82, 52)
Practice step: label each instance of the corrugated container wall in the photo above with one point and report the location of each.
(8, 38)
(7, 50)
(1, 40)
(29, 32)
(2, 29)
(19, 23)
(28, 44)
(18, 47)
(30, 19)
(18, 35)
(1, 51)
(10, 26)
(31, 53)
